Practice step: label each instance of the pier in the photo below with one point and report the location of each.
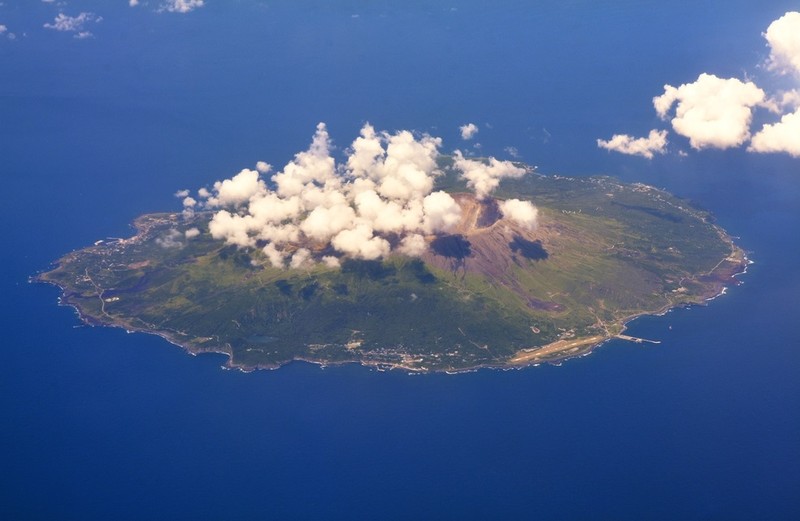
(637, 339)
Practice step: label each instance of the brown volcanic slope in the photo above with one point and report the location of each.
(486, 244)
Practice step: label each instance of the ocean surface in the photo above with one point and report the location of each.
(99, 424)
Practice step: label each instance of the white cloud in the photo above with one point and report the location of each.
(522, 212)
(181, 6)
(180, 194)
(331, 261)
(654, 143)
(468, 131)
(237, 190)
(133, 3)
(5, 32)
(233, 228)
(171, 239)
(485, 178)
(191, 233)
(386, 216)
(783, 100)
(314, 166)
(711, 112)
(717, 113)
(300, 258)
(413, 245)
(361, 242)
(74, 24)
(398, 167)
(275, 257)
(512, 151)
(441, 212)
(323, 223)
(263, 167)
(783, 136)
(383, 190)
(783, 37)
(790, 99)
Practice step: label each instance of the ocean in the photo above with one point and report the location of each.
(101, 424)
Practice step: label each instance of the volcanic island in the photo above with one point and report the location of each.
(487, 292)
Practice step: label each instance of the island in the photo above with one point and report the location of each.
(487, 293)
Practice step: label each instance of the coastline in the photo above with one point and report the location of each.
(701, 288)
(718, 277)
(553, 353)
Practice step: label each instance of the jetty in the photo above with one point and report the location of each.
(637, 339)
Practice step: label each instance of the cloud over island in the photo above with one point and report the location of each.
(379, 200)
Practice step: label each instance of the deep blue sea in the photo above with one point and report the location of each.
(97, 424)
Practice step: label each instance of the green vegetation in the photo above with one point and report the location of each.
(603, 253)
